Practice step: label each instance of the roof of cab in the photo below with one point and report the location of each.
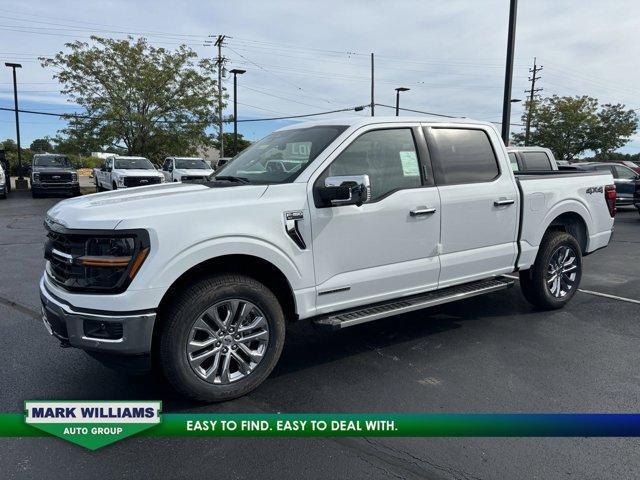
(355, 121)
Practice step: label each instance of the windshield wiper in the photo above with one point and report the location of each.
(231, 178)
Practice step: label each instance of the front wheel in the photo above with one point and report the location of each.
(220, 338)
(555, 275)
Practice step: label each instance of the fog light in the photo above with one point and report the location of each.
(102, 330)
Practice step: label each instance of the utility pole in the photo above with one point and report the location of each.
(373, 104)
(21, 183)
(220, 63)
(508, 74)
(532, 93)
(236, 72)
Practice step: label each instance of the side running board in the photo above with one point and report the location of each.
(369, 313)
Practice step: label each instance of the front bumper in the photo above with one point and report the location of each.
(56, 187)
(75, 326)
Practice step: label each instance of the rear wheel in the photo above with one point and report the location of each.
(555, 275)
(115, 186)
(221, 338)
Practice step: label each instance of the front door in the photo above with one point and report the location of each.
(386, 248)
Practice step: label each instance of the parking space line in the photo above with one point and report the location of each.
(591, 292)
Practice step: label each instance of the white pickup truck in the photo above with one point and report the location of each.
(186, 169)
(338, 222)
(123, 172)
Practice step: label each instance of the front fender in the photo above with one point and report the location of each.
(218, 247)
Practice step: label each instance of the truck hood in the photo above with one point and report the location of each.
(134, 207)
(137, 173)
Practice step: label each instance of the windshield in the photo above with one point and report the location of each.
(192, 163)
(133, 163)
(50, 161)
(281, 156)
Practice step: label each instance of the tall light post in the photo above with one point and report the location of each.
(398, 90)
(508, 74)
(236, 72)
(21, 183)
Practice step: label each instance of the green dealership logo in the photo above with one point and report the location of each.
(92, 424)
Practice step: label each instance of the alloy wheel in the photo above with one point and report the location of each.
(228, 341)
(562, 271)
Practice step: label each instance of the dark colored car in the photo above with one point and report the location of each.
(627, 181)
(53, 174)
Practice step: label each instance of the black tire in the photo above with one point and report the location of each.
(35, 194)
(178, 318)
(115, 186)
(534, 282)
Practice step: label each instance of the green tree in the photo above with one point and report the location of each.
(228, 143)
(149, 101)
(41, 145)
(570, 126)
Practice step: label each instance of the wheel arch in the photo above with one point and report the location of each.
(574, 224)
(252, 266)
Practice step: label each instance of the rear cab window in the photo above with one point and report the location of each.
(536, 161)
(514, 162)
(463, 155)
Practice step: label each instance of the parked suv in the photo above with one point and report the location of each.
(53, 173)
(626, 180)
(186, 169)
(339, 223)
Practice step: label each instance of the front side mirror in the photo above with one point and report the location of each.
(345, 190)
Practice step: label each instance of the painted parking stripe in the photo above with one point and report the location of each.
(591, 292)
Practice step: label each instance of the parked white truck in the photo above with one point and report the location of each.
(123, 172)
(339, 222)
(186, 169)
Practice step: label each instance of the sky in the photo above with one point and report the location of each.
(308, 56)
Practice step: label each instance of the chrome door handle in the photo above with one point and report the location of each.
(501, 202)
(422, 211)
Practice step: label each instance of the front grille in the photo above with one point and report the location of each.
(55, 177)
(194, 179)
(140, 181)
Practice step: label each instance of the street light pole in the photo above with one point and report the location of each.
(398, 90)
(236, 72)
(21, 183)
(508, 74)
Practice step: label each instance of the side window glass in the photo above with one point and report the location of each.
(624, 173)
(514, 162)
(464, 155)
(389, 157)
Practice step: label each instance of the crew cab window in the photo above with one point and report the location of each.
(389, 157)
(514, 162)
(624, 172)
(536, 161)
(464, 155)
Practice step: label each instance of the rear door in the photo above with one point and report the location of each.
(479, 203)
(386, 248)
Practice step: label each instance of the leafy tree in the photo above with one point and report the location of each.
(228, 143)
(41, 145)
(570, 126)
(150, 101)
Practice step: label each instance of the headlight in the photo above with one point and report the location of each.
(36, 178)
(74, 177)
(162, 179)
(96, 263)
(121, 182)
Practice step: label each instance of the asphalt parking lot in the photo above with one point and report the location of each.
(488, 354)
